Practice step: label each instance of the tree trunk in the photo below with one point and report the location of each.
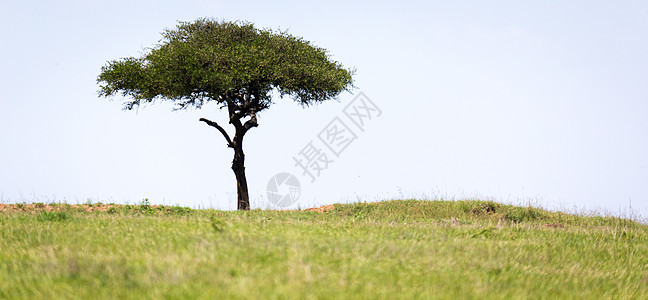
(238, 163)
(238, 166)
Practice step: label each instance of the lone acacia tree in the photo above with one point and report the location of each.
(233, 64)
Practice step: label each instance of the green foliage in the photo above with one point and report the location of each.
(179, 210)
(145, 207)
(52, 216)
(217, 224)
(521, 214)
(486, 232)
(207, 60)
(403, 249)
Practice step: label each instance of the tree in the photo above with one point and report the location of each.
(233, 64)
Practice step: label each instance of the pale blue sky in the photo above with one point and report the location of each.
(513, 101)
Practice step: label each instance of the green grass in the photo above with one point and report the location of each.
(396, 249)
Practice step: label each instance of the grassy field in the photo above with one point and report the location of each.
(396, 249)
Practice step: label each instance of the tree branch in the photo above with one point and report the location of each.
(252, 122)
(235, 110)
(215, 125)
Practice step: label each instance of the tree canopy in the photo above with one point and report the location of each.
(208, 60)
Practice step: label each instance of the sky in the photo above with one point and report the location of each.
(521, 102)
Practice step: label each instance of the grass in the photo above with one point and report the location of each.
(395, 249)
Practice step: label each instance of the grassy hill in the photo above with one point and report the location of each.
(394, 249)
